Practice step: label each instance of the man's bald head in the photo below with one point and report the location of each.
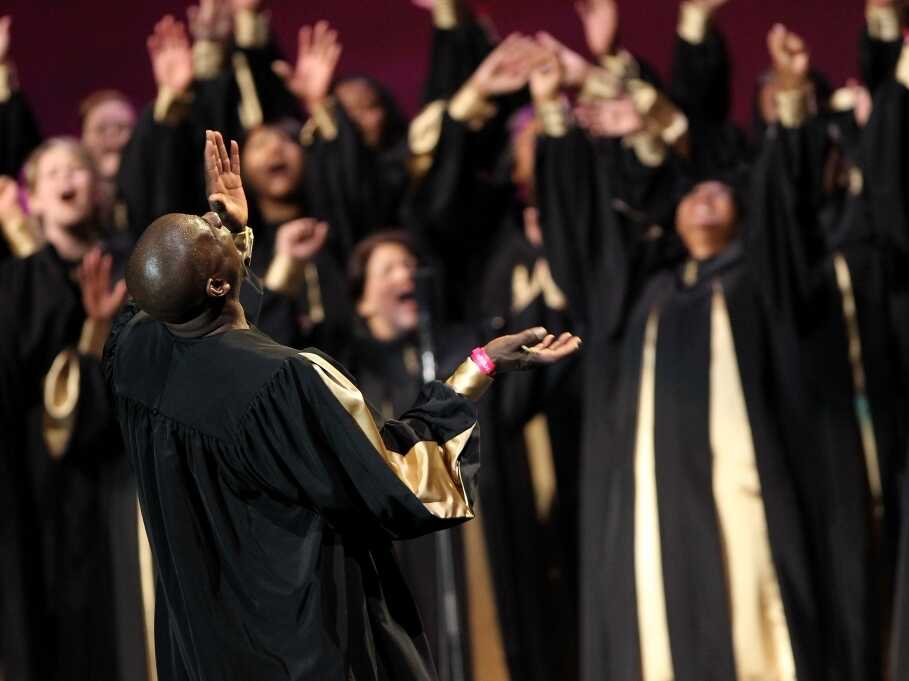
(182, 266)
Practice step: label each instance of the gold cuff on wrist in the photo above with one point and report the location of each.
(553, 117)
(208, 58)
(883, 23)
(469, 381)
(21, 236)
(94, 335)
(445, 14)
(251, 28)
(694, 19)
(285, 275)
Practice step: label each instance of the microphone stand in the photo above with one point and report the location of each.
(451, 653)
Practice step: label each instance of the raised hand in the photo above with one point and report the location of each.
(10, 210)
(171, 55)
(530, 349)
(318, 52)
(546, 78)
(507, 68)
(5, 23)
(601, 24)
(789, 56)
(301, 239)
(574, 67)
(223, 184)
(100, 301)
(210, 20)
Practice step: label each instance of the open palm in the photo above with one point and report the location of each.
(225, 187)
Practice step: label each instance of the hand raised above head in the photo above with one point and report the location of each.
(546, 78)
(530, 349)
(600, 19)
(789, 55)
(318, 52)
(574, 67)
(171, 55)
(223, 182)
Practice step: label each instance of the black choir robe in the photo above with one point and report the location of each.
(71, 591)
(271, 498)
(789, 353)
(527, 509)
(390, 375)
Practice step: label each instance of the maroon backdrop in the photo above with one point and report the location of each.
(67, 48)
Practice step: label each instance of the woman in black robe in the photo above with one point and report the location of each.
(71, 578)
(710, 368)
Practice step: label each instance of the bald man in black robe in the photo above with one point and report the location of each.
(270, 493)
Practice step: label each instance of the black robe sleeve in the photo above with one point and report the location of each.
(877, 59)
(311, 436)
(455, 54)
(19, 133)
(701, 85)
(161, 170)
(597, 255)
(784, 242)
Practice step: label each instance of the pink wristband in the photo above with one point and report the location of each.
(481, 358)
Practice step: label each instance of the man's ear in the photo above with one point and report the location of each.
(217, 287)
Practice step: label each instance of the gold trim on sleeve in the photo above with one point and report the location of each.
(792, 106)
(649, 149)
(251, 28)
(694, 19)
(445, 14)
(61, 395)
(883, 23)
(21, 236)
(553, 117)
(94, 335)
(430, 470)
(285, 275)
(600, 84)
(469, 381)
(250, 109)
(902, 67)
(622, 65)
(171, 107)
(321, 123)
(426, 128)
(208, 57)
(470, 107)
(8, 81)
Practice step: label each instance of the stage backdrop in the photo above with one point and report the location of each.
(67, 48)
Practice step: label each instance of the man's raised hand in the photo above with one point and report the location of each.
(574, 67)
(530, 349)
(223, 184)
(171, 55)
(318, 52)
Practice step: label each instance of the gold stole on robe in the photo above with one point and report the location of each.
(760, 634)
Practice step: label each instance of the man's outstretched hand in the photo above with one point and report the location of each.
(530, 349)
(223, 183)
